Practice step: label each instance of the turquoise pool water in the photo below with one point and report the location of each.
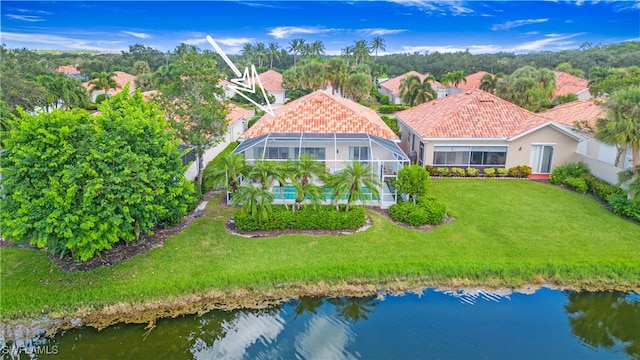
(289, 193)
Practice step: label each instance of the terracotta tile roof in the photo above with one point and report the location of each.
(473, 81)
(321, 112)
(569, 113)
(470, 114)
(121, 78)
(237, 113)
(393, 85)
(569, 84)
(149, 95)
(68, 69)
(271, 81)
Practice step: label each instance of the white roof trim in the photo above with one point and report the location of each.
(554, 124)
(465, 139)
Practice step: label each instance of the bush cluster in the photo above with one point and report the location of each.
(561, 173)
(621, 205)
(425, 211)
(600, 188)
(391, 108)
(324, 217)
(392, 123)
(520, 171)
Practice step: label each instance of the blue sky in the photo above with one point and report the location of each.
(406, 25)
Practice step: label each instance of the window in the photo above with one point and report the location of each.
(360, 153)
(466, 156)
(541, 158)
(421, 154)
(318, 153)
(272, 152)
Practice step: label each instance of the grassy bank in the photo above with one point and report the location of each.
(506, 231)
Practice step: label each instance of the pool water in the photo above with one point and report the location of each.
(289, 193)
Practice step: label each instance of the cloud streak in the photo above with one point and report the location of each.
(380, 32)
(516, 23)
(137, 34)
(27, 18)
(455, 7)
(282, 32)
(63, 42)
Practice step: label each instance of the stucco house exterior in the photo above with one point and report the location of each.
(603, 160)
(335, 130)
(391, 87)
(477, 129)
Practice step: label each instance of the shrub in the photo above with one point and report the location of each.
(400, 212)
(472, 172)
(490, 172)
(430, 169)
(418, 216)
(392, 123)
(578, 184)
(601, 188)
(561, 173)
(442, 171)
(384, 100)
(307, 218)
(436, 210)
(391, 108)
(100, 98)
(502, 171)
(457, 171)
(426, 211)
(520, 171)
(623, 206)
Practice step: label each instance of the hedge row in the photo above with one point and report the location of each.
(391, 108)
(324, 217)
(520, 171)
(577, 176)
(425, 211)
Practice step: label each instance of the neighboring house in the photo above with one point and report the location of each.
(570, 84)
(473, 81)
(122, 78)
(391, 87)
(271, 81)
(237, 119)
(333, 129)
(600, 157)
(477, 129)
(70, 71)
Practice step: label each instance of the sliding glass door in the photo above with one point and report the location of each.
(542, 158)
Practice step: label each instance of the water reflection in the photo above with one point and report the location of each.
(606, 320)
(434, 324)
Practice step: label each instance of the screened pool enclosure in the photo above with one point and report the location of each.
(335, 151)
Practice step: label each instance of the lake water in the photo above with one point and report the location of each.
(548, 324)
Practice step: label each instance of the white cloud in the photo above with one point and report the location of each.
(553, 42)
(282, 32)
(195, 41)
(137, 34)
(474, 49)
(380, 32)
(234, 41)
(47, 41)
(512, 24)
(28, 18)
(455, 7)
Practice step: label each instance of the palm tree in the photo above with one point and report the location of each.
(307, 191)
(263, 171)
(353, 179)
(248, 52)
(377, 43)
(273, 53)
(255, 201)
(622, 125)
(227, 171)
(103, 80)
(489, 83)
(361, 51)
(313, 76)
(336, 73)
(317, 48)
(414, 91)
(164, 75)
(295, 47)
(306, 167)
(454, 78)
(347, 52)
(141, 67)
(260, 51)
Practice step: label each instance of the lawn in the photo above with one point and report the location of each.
(510, 231)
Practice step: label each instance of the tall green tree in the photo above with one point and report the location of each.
(314, 76)
(352, 180)
(227, 171)
(361, 52)
(413, 180)
(295, 48)
(622, 125)
(273, 53)
(79, 183)
(358, 86)
(489, 82)
(336, 70)
(414, 91)
(377, 44)
(529, 88)
(191, 102)
(261, 53)
(454, 78)
(103, 80)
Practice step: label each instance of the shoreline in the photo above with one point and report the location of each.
(25, 330)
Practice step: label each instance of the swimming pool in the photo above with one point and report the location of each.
(289, 193)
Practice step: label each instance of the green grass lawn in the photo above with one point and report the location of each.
(511, 231)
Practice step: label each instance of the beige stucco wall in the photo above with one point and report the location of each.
(564, 150)
(428, 157)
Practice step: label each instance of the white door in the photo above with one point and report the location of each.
(542, 159)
